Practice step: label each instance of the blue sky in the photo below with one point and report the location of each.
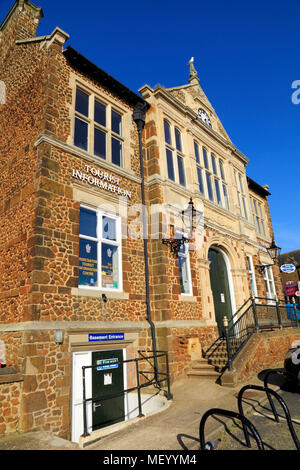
(247, 56)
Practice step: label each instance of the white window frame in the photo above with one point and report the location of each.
(269, 280)
(99, 240)
(251, 272)
(186, 256)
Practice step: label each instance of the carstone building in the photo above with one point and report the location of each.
(91, 201)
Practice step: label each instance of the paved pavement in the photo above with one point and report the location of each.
(275, 435)
(177, 427)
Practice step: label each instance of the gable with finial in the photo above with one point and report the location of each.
(193, 96)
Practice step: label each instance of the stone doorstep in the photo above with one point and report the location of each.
(107, 431)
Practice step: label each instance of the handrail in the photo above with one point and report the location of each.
(269, 392)
(231, 414)
(155, 381)
(238, 311)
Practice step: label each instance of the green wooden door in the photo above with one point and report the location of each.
(220, 287)
(107, 378)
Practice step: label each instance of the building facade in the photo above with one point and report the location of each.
(81, 284)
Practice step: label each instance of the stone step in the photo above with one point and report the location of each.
(201, 364)
(202, 368)
(203, 373)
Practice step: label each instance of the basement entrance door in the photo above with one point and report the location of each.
(220, 287)
(107, 378)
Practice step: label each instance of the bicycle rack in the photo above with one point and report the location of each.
(230, 414)
(269, 392)
(284, 374)
(245, 422)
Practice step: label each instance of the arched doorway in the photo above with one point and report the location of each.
(219, 281)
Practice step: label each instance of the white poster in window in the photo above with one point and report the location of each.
(223, 298)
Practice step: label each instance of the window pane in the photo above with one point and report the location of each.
(82, 102)
(240, 204)
(178, 139)
(241, 182)
(196, 148)
(218, 194)
(81, 134)
(183, 275)
(99, 143)
(109, 266)
(222, 170)
(209, 187)
(205, 158)
(116, 151)
(200, 180)
(109, 228)
(170, 165)
(235, 177)
(100, 113)
(181, 170)
(88, 223)
(214, 167)
(245, 208)
(262, 227)
(167, 132)
(116, 122)
(257, 223)
(225, 196)
(88, 263)
(255, 207)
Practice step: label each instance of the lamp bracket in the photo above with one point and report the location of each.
(262, 267)
(175, 243)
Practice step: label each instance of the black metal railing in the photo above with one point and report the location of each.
(156, 380)
(256, 314)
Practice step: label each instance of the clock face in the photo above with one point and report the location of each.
(203, 115)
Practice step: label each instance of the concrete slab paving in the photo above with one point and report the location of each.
(175, 428)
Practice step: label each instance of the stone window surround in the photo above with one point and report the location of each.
(175, 151)
(240, 185)
(111, 104)
(212, 175)
(259, 215)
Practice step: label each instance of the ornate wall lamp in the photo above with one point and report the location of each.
(274, 252)
(188, 216)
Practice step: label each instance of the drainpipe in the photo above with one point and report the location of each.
(139, 116)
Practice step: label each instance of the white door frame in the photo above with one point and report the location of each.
(79, 359)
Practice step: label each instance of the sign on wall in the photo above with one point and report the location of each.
(288, 268)
(106, 336)
(101, 179)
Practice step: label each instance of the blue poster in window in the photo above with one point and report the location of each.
(109, 266)
(88, 275)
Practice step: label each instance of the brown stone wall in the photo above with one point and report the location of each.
(47, 380)
(10, 404)
(264, 351)
(184, 345)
